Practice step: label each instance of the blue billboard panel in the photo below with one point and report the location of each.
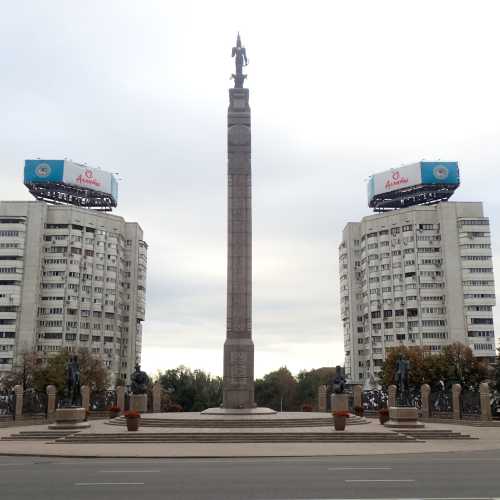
(38, 171)
(440, 172)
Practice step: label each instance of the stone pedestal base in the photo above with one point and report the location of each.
(236, 411)
(139, 402)
(339, 402)
(69, 418)
(403, 417)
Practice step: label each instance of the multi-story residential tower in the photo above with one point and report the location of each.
(420, 275)
(69, 278)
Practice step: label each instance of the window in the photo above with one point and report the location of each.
(481, 321)
(435, 335)
(476, 234)
(479, 295)
(483, 347)
(479, 308)
(476, 245)
(483, 333)
(426, 227)
(479, 283)
(408, 227)
(433, 322)
(475, 222)
(476, 257)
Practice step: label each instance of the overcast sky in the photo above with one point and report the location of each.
(338, 90)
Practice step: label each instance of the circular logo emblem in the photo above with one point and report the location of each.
(440, 172)
(396, 175)
(43, 170)
(88, 174)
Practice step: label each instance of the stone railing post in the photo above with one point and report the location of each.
(157, 397)
(391, 396)
(120, 397)
(19, 391)
(484, 394)
(85, 392)
(51, 402)
(322, 398)
(358, 395)
(456, 393)
(425, 394)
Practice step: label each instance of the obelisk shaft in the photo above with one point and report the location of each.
(238, 348)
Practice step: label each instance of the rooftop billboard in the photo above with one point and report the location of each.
(51, 174)
(424, 173)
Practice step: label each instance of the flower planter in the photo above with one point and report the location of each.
(114, 414)
(383, 417)
(133, 423)
(339, 422)
(359, 411)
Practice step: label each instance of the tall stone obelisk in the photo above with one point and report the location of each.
(238, 348)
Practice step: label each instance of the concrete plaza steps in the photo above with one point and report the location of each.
(6, 420)
(238, 437)
(211, 423)
(37, 435)
(427, 434)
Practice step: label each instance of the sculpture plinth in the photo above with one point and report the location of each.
(403, 417)
(70, 418)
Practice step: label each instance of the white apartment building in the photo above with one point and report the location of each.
(70, 278)
(422, 276)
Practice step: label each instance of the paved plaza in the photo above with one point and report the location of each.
(485, 438)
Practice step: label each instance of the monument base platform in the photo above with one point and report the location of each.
(139, 402)
(70, 419)
(239, 411)
(403, 417)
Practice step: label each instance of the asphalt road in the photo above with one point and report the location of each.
(444, 476)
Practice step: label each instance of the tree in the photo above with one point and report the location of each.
(496, 382)
(463, 367)
(455, 364)
(37, 372)
(276, 390)
(23, 373)
(308, 383)
(193, 391)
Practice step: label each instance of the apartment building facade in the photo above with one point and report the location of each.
(71, 278)
(421, 275)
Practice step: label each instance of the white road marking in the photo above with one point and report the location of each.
(126, 471)
(360, 468)
(109, 484)
(3, 465)
(379, 480)
(385, 498)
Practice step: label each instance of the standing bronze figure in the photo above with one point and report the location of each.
(338, 381)
(401, 376)
(72, 390)
(241, 60)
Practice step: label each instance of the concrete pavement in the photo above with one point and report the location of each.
(471, 475)
(488, 439)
